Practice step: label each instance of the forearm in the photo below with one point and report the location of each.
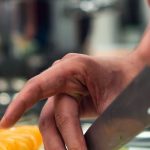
(142, 52)
(134, 62)
(137, 60)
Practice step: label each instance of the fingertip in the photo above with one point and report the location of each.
(9, 118)
(3, 123)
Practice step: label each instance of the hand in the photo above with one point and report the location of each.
(77, 86)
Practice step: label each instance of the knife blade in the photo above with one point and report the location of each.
(127, 116)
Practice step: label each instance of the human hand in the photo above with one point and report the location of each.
(77, 86)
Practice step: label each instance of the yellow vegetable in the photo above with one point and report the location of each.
(20, 138)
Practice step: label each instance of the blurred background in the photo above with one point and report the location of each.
(35, 33)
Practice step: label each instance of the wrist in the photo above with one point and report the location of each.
(132, 66)
(142, 52)
(139, 58)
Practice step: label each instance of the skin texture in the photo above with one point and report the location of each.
(77, 86)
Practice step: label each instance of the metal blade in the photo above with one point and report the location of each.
(127, 116)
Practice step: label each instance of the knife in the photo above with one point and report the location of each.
(127, 116)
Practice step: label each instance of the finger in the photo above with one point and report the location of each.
(68, 123)
(50, 134)
(48, 83)
(42, 86)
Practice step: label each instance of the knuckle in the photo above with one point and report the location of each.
(69, 55)
(56, 62)
(43, 123)
(62, 120)
(83, 59)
